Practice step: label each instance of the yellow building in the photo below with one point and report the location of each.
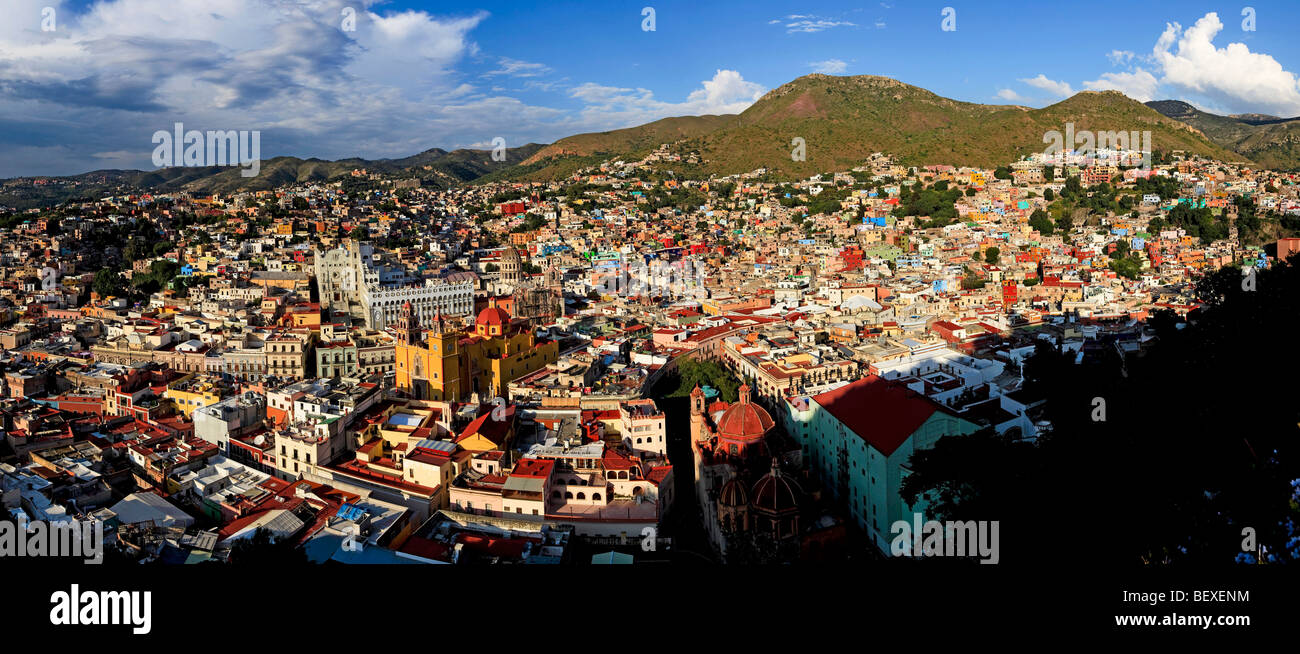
(192, 392)
(451, 364)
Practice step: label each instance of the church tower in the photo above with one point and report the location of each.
(407, 334)
(698, 430)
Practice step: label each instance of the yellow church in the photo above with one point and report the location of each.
(451, 364)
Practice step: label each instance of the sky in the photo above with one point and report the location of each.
(85, 84)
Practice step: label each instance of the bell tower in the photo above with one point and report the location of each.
(406, 330)
(697, 414)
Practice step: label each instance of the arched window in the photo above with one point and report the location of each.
(595, 496)
(555, 494)
(582, 496)
(568, 495)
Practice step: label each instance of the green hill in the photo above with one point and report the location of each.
(842, 120)
(436, 168)
(1270, 141)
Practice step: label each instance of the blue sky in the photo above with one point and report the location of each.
(413, 74)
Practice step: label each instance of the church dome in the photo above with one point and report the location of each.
(744, 420)
(733, 494)
(493, 316)
(776, 493)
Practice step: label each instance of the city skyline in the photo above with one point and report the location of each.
(89, 93)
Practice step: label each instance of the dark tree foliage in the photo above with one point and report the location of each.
(705, 373)
(262, 549)
(1198, 442)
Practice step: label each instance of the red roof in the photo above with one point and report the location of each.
(495, 316)
(536, 468)
(882, 413)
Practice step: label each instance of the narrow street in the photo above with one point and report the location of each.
(690, 544)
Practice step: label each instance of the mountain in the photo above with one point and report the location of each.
(842, 120)
(435, 168)
(1270, 141)
(568, 154)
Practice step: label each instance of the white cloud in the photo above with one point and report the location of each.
(1061, 89)
(1139, 84)
(1234, 76)
(517, 68)
(1120, 57)
(97, 88)
(1008, 94)
(611, 107)
(829, 67)
(880, 23)
(811, 24)
(91, 94)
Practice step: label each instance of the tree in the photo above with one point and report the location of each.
(1122, 249)
(1127, 267)
(1072, 186)
(1041, 221)
(691, 372)
(1199, 461)
(359, 233)
(263, 549)
(991, 255)
(107, 282)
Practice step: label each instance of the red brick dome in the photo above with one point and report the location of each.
(744, 421)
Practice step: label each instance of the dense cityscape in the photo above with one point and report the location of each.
(701, 301)
(489, 373)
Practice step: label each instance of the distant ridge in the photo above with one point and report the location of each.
(1270, 141)
(435, 168)
(843, 119)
